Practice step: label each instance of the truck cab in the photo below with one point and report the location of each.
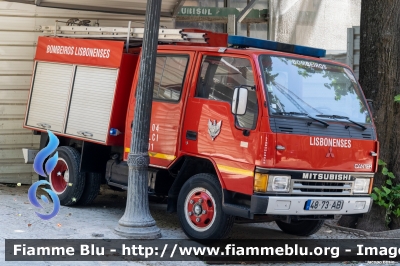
(251, 131)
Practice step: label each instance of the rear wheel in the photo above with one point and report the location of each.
(92, 188)
(301, 228)
(200, 209)
(66, 180)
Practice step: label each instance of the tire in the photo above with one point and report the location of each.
(65, 179)
(92, 188)
(201, 198)
(301, 228)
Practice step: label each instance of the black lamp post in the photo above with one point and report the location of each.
(137, 221)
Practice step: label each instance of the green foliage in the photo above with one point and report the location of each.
(387, 195)
(397, 98)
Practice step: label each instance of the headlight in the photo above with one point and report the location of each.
(361, 185)
(279, 183)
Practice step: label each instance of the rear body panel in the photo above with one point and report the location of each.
(90, 98)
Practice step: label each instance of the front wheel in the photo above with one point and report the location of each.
(301, 228)
(200, 209)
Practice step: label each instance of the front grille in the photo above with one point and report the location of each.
(367, 136)
(315, 187)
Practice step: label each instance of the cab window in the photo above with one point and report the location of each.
(218, 78)
(169, 77)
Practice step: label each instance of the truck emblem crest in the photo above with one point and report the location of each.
(214, 128)
(330, 153)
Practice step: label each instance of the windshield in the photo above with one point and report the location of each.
(319, 90)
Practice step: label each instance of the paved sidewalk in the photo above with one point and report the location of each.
(97, 221)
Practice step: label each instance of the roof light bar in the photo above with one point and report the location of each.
(275, 46)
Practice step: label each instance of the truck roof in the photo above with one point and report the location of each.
(192, 40)
(253, 52)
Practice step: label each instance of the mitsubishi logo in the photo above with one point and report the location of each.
(330, 153)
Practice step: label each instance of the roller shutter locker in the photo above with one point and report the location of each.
(91, 102)
(50, 93)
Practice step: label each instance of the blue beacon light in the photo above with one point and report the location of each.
(114, 132)
(245, 42)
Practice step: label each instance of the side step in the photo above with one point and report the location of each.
(117, 176)
(237, 210)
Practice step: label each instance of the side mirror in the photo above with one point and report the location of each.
(239, 101)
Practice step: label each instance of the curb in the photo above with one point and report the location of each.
(381, 234)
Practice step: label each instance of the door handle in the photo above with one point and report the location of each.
(44, 125)
(191, 135)
(85, 134)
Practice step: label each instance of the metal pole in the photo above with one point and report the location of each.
(231, 26)
(271, 20)
(137, 221)
(245, 11)
(128, 37)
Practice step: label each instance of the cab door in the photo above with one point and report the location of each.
(171, 81)
(211, 130)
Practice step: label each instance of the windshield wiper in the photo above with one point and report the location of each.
(343, 117)
(290, 113)
(303, 114)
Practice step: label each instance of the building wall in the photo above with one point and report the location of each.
(255, 30)
(317, 23)
(19, 30)
(216, 27)
(353, 49)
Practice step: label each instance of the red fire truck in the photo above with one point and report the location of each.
(241, 129)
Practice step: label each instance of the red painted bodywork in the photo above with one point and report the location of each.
(66, 50)
(118, 115)
(214, 39)
(168, 117)
(299, 154)
(234, 155)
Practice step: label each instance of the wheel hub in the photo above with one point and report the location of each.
(200, 209)
(197, 209)
(59, 177)
(66, 176)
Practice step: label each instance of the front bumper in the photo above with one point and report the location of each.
(283, 205)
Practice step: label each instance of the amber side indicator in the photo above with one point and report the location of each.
(260, 182)
(371, 183)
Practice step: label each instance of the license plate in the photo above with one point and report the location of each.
(322, 205)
